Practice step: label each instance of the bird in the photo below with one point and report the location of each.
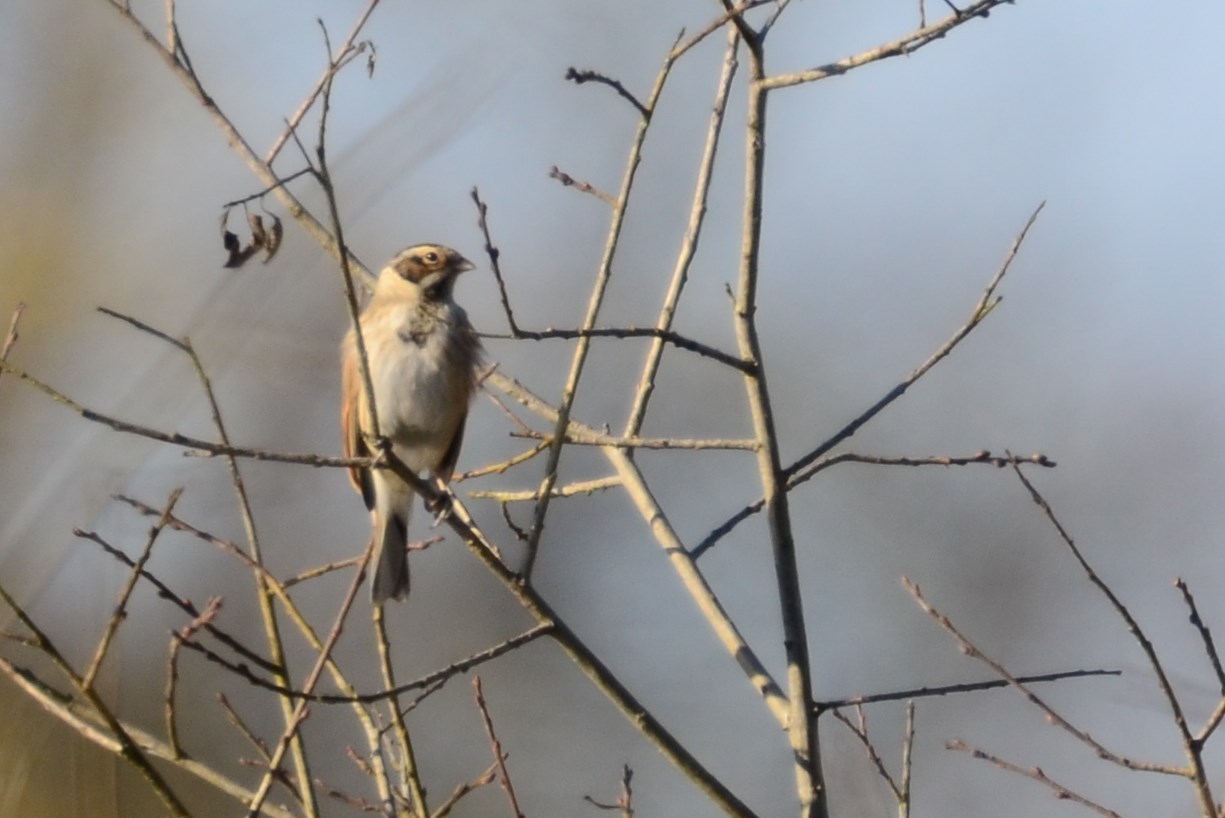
(424, 356)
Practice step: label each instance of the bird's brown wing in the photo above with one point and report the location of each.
(446, 466)
(350, 423)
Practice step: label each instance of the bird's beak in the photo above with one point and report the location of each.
(462, 265)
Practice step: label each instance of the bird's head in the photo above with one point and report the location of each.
(431, 267)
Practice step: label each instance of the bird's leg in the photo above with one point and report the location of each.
(440, 506)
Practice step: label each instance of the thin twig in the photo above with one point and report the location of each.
(1218, 713)
(669, 336)
(432, 681)
(503, 466)
(126, 747)
(583, 487)
(494, 254)
(1191, 748)
(594, 303)
(165, 592)
(686, 567)
(410, 774)
(186, 441)
(1036, 774)
(91, 726)
(729, 13)
(984, 306)
(964, 687)
(231, 715)
(676, 443)
(121, 607)
(345, 49)
(908, 44)
(579, 77)
(689, 242)
(350, 289)
(180, 66)
(268, 614)
(300, 712)
(625, 802)
(986, 303)
(585, 187)
(499, 756)
(280, 182)
(859, 729)
(205, 619)
(11, 337)
(970, 649)
(463, 789)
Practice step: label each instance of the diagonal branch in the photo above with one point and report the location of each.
(903, 46)
(796, 472)
(603, 274)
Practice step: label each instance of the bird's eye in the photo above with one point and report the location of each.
(431, 257)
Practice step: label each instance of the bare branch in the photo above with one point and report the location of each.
(586, 187)
(674, 443)
(499, 756)
(121, 607)
(909, 44)
(1191, 747)
(625, 802)
(904, 801)
(1035, 773)
(494, 254)
(584, 487)
(1052, 716)
(125, 746)
(964, 687)
(1213, 658)
(986, 303)
(463, 789)
(802, 734)
(859, 729)
(579, 359)
(579, 77)
(410, 774)
(347, 51)
(671, 337)
(689, 242)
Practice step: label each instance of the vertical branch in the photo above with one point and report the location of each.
(801, 728)
(593, 309)
(903, 804)
(329, 190)
(264, 593)
(411, 776)
(300, 711)
(689, 245)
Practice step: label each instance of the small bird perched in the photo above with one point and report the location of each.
(423, 356)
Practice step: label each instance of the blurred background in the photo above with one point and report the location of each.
(892, 194)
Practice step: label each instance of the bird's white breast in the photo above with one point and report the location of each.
(420, 393)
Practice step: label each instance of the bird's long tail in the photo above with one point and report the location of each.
(390, 558)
